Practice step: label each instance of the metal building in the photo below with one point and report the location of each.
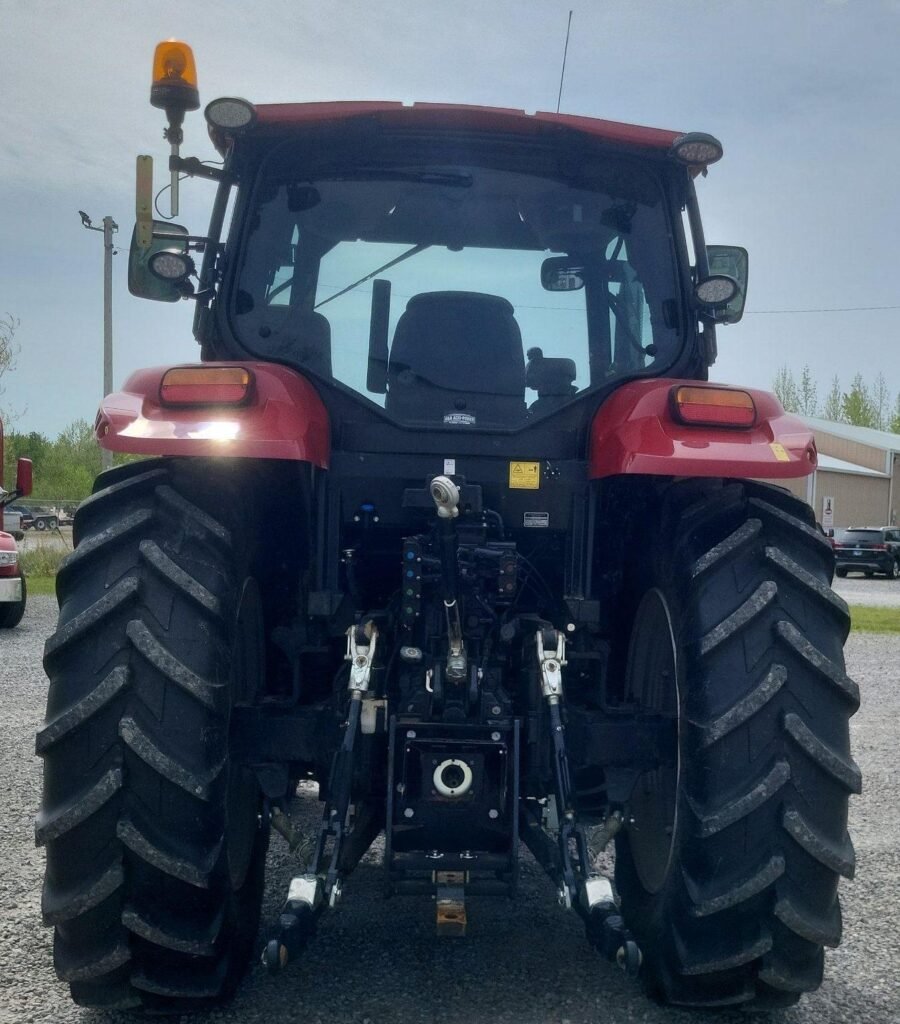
(857, 482)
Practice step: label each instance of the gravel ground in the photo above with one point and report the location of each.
(859, 590)
(375, 962)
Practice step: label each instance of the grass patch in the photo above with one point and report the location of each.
(43, 561)
(41, 585)
(41, 566)
(870, 619)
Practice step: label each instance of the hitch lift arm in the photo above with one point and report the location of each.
(568, 860)
(320, 886)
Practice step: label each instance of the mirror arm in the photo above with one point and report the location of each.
(196, 169)
(708, 338)
(693, 212)
(196, 242)
(212, 257)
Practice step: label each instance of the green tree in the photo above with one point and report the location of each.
(64, 469)
(71, 465)
(894, 425)
(857, 406)
(807, 394)
(9, 354)
(881, 402)
(833, 409)
(785, 390)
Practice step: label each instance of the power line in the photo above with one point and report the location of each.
(823, 309)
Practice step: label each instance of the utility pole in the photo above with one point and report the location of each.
(108, 229)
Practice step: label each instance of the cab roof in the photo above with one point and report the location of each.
(461, 117)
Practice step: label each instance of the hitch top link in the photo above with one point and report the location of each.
(551, 663)
(360, 656)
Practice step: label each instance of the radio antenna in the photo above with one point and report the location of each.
(562, 73)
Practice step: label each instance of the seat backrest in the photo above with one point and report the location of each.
(301, 337)
(458, 355)
(313, 341)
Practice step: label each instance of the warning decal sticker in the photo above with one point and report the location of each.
(536, 519)
(525, 476)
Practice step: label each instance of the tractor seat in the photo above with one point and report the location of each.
(548, 376)
(457, 358)
(300, 337)
(308, 335)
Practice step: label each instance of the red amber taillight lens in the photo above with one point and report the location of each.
(205, 385)
(713, 407)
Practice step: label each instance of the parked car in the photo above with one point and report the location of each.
(868, 549)
(26, 517)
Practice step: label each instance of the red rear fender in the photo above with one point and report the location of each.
(283, 418)
(634, 431)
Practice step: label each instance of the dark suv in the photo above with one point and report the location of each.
(868, 549)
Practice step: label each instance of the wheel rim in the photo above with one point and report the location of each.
(652, 684)
(243, 822)
(895, 570)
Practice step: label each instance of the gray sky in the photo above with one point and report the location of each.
(805, 95)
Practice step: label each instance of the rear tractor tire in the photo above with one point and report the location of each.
(155, 845)
(728, 866)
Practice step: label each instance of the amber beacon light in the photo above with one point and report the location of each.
(174, 89)
(174, 78)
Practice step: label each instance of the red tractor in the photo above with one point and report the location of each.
(13, 593)
(447, 519)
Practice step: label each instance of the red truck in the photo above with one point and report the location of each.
(12, 582)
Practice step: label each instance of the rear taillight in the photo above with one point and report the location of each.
(712, 406)
(205, 385)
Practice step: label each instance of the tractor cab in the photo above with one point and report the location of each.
(449, 266)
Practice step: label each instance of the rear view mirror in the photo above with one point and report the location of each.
(142, 281)
(23, 477)
(730, 261)
(562, 274)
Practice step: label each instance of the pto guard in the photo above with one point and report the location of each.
(284, 418)
(634, 432)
